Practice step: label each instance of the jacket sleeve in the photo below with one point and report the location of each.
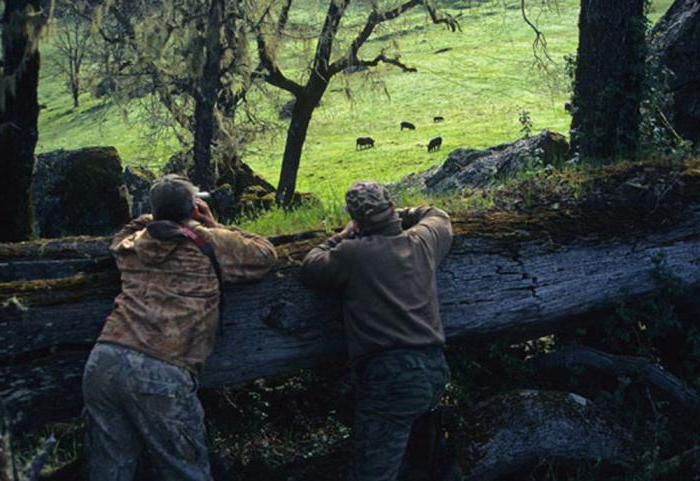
(326, 267)
(133, 226)
(432, 225)
(241, 255)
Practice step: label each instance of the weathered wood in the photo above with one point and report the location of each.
(509, 435)
(506, 275)
(636, 368)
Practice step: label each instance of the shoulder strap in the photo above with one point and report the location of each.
(208, 250)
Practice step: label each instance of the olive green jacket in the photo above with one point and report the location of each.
(387, 280)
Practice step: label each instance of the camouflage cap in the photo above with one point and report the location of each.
(368, 202)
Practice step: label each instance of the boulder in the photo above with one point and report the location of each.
(510, 435)
(474, 168)
(181, 163)
(79, 192)
(676, 43)
(138, 181)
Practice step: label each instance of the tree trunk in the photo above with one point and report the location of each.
(205, 100)
(609, 79)
(75, 91)
(296, 136)
(507, 276)
(18, 121)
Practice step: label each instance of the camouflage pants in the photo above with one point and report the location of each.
(392, 390)
(133, 403)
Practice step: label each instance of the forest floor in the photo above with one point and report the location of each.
(481, 85)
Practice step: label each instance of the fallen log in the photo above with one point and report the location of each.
(509, 275)
(508, 436)
(684, 466)
(636, 368)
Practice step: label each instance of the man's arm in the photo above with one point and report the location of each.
(430, 224)
(324, 267)
(241, 255)
(134, 225)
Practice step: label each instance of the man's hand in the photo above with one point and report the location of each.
(203, 213)
(350, 230)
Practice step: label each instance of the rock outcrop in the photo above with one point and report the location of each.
(474, 168)
(79, 192)
(676, 42)
(138, 181)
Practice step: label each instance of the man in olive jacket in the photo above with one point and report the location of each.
(384, 266)
(140, 380)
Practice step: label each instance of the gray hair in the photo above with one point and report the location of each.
(172, 198)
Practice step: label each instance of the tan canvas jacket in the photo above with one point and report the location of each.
(387, 280)
(169, 304)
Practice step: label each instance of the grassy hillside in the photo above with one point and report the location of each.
(480, 85)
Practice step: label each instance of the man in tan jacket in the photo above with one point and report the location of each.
(383, 264)
(140, 380)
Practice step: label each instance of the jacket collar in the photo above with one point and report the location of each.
(390, 227)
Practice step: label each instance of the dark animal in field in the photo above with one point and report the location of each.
(434, 144)
(443, 50)
(438, 118)
(407, 125)
(364, 143)
(568, 106)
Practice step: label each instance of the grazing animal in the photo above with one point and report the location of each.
(438, 118)
(407, 125)
(364, 143)
(434, 144)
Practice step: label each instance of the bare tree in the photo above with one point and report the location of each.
(72, 41)
(322, 69)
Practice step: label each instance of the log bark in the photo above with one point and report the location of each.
(507, 275)
(636, 368)
(511, 434)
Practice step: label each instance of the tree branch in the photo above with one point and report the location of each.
(322, 65)
(539, 45)
(274, 75)
(268, 69)
(384, 59)
(375, 18)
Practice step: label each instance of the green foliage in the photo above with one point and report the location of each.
(526, 122)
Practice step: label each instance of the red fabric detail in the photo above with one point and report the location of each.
(193, 236)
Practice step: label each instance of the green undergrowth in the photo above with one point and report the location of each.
(579, 193)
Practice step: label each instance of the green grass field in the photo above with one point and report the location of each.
(480, 85)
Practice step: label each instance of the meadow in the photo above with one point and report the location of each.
(481, 83)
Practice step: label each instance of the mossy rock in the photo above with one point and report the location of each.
(484, 168)
(138, 181)
(79, 192)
